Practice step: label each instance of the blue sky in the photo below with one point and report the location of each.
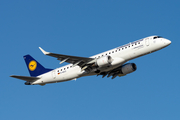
(84, 28)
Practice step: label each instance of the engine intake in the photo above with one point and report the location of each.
(128, 68)
(104, 61)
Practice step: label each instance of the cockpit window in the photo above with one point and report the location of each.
(157, 37)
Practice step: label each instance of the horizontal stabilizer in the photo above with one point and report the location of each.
(25, 78)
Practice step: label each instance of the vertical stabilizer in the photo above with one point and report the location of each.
(34, 67)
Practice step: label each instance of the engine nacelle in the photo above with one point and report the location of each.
(128, 68)
(104, 61)
(27, 83)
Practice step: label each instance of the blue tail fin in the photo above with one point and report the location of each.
(34, 67)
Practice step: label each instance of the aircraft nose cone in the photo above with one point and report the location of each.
(168, 42)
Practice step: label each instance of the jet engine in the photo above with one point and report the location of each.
(104, 61)
(128, 68)
(27, 83)
(120, 71)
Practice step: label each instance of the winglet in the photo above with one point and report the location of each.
(43, 51)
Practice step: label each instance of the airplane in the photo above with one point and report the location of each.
(111, 63)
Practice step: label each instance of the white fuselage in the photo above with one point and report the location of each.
(120, 55)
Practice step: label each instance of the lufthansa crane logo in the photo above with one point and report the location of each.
(32, 65)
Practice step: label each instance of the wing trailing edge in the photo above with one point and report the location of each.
(75, 60)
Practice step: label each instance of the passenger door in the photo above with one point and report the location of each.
(54, 74)
(147, 41)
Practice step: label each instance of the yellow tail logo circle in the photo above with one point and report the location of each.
(32, 65)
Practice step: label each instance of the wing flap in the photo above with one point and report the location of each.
(25, 78)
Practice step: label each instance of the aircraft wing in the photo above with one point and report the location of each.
(75, 60)
(25, 78)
